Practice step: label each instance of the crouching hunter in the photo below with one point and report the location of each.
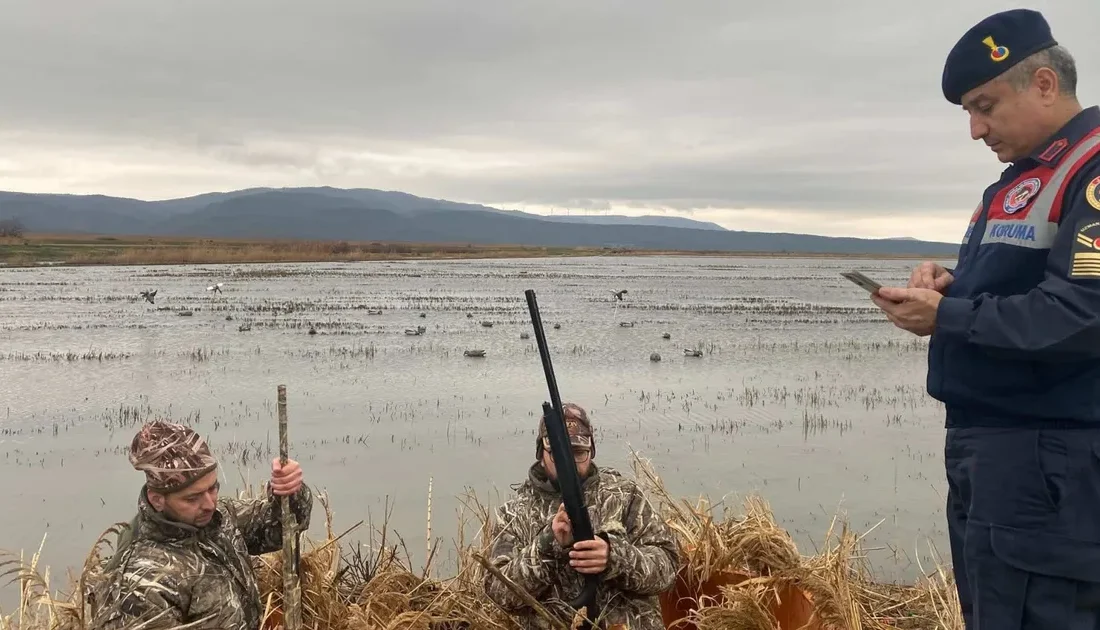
(186, 559)
(633, 551)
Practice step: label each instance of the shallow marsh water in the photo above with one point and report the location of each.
(803, 393)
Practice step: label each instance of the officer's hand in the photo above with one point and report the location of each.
(909, 309)
(562, 527)
(589, 556)
(929, 275)
(285, 480)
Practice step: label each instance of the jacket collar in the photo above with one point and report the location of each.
(1056, 147)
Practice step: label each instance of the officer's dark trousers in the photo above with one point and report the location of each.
(1023, 512)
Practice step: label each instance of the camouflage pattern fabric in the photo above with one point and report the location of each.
(577, 425)
(172, 456)
(171, 575)
(643, 558)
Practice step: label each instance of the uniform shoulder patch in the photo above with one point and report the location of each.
(1092, 193)
(1085, 253)
(1021, 195)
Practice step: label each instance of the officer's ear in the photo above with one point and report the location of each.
(1046, 84)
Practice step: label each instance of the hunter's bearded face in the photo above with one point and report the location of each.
(579, 429)
(193, 505)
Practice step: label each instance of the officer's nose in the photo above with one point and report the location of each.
(978, 129)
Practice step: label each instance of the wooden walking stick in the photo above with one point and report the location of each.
(292, 588)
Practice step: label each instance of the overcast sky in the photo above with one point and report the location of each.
(815, 117)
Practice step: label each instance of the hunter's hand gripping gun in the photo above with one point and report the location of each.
(568, 478)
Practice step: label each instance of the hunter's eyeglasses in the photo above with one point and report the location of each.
(580, 455)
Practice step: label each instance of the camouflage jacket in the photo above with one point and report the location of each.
(166, 574)
(643, 557)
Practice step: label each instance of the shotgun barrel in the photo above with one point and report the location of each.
(568, 479)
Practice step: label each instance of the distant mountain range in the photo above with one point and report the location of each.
(375, 215)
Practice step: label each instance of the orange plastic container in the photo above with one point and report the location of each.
(793, 611)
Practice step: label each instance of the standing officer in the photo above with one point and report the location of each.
(1015, 337)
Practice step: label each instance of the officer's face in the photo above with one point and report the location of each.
(1012, 123)
(194, 505)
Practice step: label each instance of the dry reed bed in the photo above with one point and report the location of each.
(129, 253)
(347, 588)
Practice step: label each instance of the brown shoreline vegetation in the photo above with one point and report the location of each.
(79, 249)
(347, 588)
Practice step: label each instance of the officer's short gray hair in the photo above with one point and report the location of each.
(1056, 58)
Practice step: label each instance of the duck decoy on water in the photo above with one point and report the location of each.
(474, 353)
(688, 352)
(149, 295)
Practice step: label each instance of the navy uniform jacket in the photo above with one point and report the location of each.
(1017, 337)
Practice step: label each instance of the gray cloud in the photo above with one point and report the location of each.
(714, 104)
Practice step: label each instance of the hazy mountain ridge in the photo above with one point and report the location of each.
(327, 213)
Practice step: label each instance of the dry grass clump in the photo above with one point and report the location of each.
(380, 590)
(710, 545)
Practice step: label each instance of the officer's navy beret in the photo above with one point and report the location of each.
(991, 47)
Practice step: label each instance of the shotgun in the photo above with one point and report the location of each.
(568, 478)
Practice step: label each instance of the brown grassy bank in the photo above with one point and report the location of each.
(347, 588)
(33, 249)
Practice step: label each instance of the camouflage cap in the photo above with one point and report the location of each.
(577, 424)
(172, 456)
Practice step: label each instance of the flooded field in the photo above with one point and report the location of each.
(802, 391)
